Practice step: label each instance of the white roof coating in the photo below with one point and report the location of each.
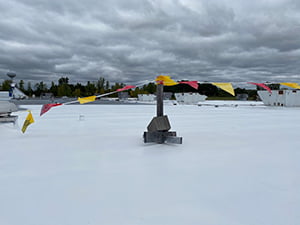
(87, 164)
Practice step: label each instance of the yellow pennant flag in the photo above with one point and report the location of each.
(29, 120)
(165, 80)
(226, 87)
(87, 99)
(292, 85)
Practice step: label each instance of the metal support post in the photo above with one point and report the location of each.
(158, 128)
(160, 100)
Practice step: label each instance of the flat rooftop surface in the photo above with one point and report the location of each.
(87, 164)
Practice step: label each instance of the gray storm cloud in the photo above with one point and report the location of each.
(134, 40)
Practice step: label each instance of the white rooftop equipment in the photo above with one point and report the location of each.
(189, 98)
(288, 98)
(146, 97)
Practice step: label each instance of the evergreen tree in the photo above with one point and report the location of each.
(107, 86)
(134, 93)
(117, 86)
(208, 89)
(80, 87)
(64, 88)
(77, 92)
(150, 88)
(273, 86)
(29, 90)
(90, 89)
(21, 85)
(53, 89)
(63, 80)
(6, 85)
(40, 88)
(100, 85)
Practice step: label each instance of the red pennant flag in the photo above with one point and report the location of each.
(47, 107)
(193, 84)
(262, 85)
(126, 88)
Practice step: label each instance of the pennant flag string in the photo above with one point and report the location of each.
(86, 99)
(292, 85)
(193, 84)
(29, 120)
(262, 85)
(127, 87)
(47, 107)
(165, 80)
(226, 87)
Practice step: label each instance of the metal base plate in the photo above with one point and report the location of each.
(161, 137)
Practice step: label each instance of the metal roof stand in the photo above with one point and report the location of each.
(158, 129)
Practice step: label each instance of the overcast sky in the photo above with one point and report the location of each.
(133, 40)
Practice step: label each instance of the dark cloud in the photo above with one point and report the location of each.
(134, 40)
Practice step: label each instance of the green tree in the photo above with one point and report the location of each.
(100, 84)
(273, 86)
(40, 88)
(150, 88)
(107, 86)
(77, 92)
(21, 85)
(208, 89)
(63, 80)
(117, 86)
(134, 93)
(53, 88)
(90, 88)
(29, 90)
(6, 85)
(80, 87)
(63, 88)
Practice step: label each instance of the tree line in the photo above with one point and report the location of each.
(102, 86)
(64, 88)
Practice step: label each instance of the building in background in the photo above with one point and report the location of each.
(189, 98)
